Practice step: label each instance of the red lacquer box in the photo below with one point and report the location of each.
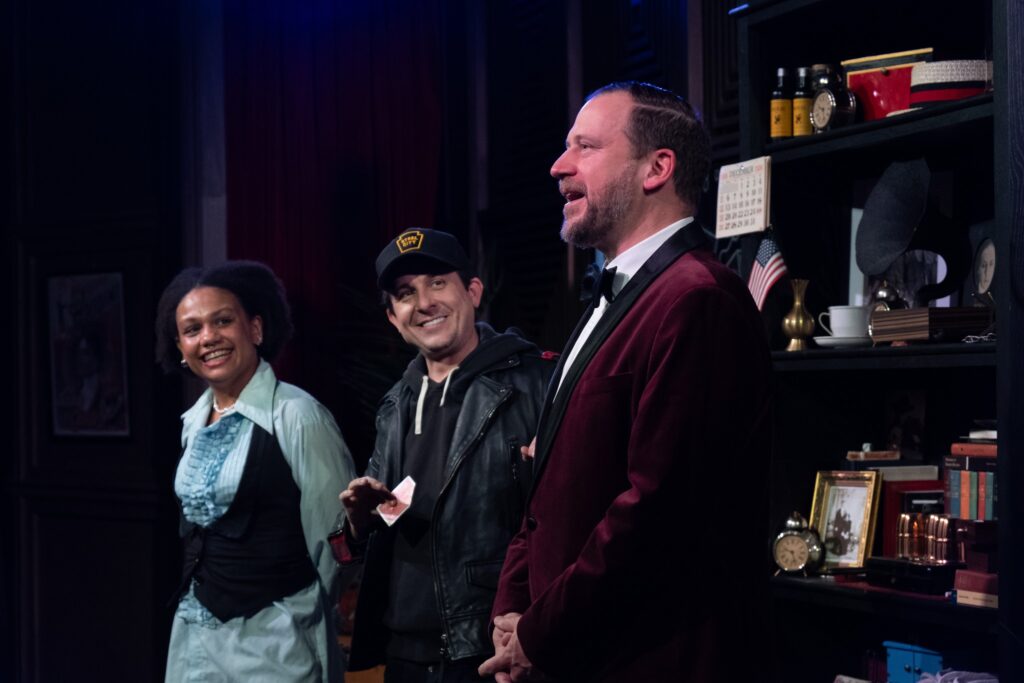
(882, 82)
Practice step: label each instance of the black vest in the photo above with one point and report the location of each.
(256, 553)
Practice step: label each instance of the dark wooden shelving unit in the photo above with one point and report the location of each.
(829, 400)
(859, 596)
(923, 356)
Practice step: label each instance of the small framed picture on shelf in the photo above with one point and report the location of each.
(979, 286)
(844, 511)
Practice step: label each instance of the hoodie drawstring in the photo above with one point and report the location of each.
(447, 381)
(419, 406)
(423, 395)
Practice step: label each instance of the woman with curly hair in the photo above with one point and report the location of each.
(262, 463)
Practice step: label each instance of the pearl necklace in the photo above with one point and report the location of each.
(220, 411)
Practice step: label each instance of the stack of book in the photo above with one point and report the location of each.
(979, 589)
(889, 465)
(970, 480)
(929, 323)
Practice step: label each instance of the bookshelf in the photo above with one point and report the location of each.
(831, 400)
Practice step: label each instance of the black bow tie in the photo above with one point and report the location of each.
(598, 283)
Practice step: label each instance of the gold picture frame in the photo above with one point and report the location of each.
(844, 512)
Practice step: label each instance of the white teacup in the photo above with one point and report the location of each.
(847, 321)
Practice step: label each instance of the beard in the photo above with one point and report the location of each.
(602, 217)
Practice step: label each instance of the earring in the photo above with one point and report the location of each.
(183, 363)
(259, 340)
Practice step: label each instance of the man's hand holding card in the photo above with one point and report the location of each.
(391, 510)
(367, 497)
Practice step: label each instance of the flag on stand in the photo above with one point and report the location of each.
(767, 269)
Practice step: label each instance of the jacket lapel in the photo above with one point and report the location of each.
(486, 396)
(684, 240)
(552, 389)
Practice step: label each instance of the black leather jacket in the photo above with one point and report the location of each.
(480, 505)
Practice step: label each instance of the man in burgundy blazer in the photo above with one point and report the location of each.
(642, 554)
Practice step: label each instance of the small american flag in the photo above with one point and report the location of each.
(767, 269)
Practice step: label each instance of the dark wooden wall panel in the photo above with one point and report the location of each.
(81, 589)
(93, 119)
(526, 124)
(1008, 27)
(9, 417)
(90, 184)
(721, 80)
(641, 40)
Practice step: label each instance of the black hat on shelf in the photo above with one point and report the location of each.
(420, 251)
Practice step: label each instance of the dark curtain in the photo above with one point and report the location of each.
(333, 120)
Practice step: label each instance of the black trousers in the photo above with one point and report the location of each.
(404, 671)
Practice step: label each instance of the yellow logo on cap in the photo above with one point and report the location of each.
(409, 241)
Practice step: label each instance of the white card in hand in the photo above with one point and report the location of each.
(390, 512)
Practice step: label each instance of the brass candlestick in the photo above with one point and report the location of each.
(798, 324)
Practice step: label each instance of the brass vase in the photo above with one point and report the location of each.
(798, 324)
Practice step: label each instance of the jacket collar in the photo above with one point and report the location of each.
(256, 402)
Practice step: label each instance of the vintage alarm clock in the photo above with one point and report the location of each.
(798, 549)
(833, 107)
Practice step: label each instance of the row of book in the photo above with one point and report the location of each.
(970, 482)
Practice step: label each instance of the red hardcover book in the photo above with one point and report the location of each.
(973, 448)
(979, 582)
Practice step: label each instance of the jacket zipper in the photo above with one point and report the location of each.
(503, 396)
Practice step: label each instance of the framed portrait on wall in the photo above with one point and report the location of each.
(88, 376)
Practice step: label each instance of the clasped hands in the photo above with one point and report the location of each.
(509, 663)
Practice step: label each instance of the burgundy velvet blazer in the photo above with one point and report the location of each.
(643, 550)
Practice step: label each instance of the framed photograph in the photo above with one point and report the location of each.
(843, 512)
(89, 384)
(984, 266)
(978, 289)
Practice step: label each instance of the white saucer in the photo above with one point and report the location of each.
(842, 341)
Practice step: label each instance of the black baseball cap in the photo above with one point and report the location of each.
(420, 251)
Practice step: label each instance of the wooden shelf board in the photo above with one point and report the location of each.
(982, 354)
(863, 597)
(870, 134)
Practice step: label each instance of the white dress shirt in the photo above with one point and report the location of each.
(626, 265)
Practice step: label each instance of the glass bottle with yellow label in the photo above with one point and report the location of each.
(802, 98)
(781, 124)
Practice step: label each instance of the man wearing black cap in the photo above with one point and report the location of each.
(454, 424)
